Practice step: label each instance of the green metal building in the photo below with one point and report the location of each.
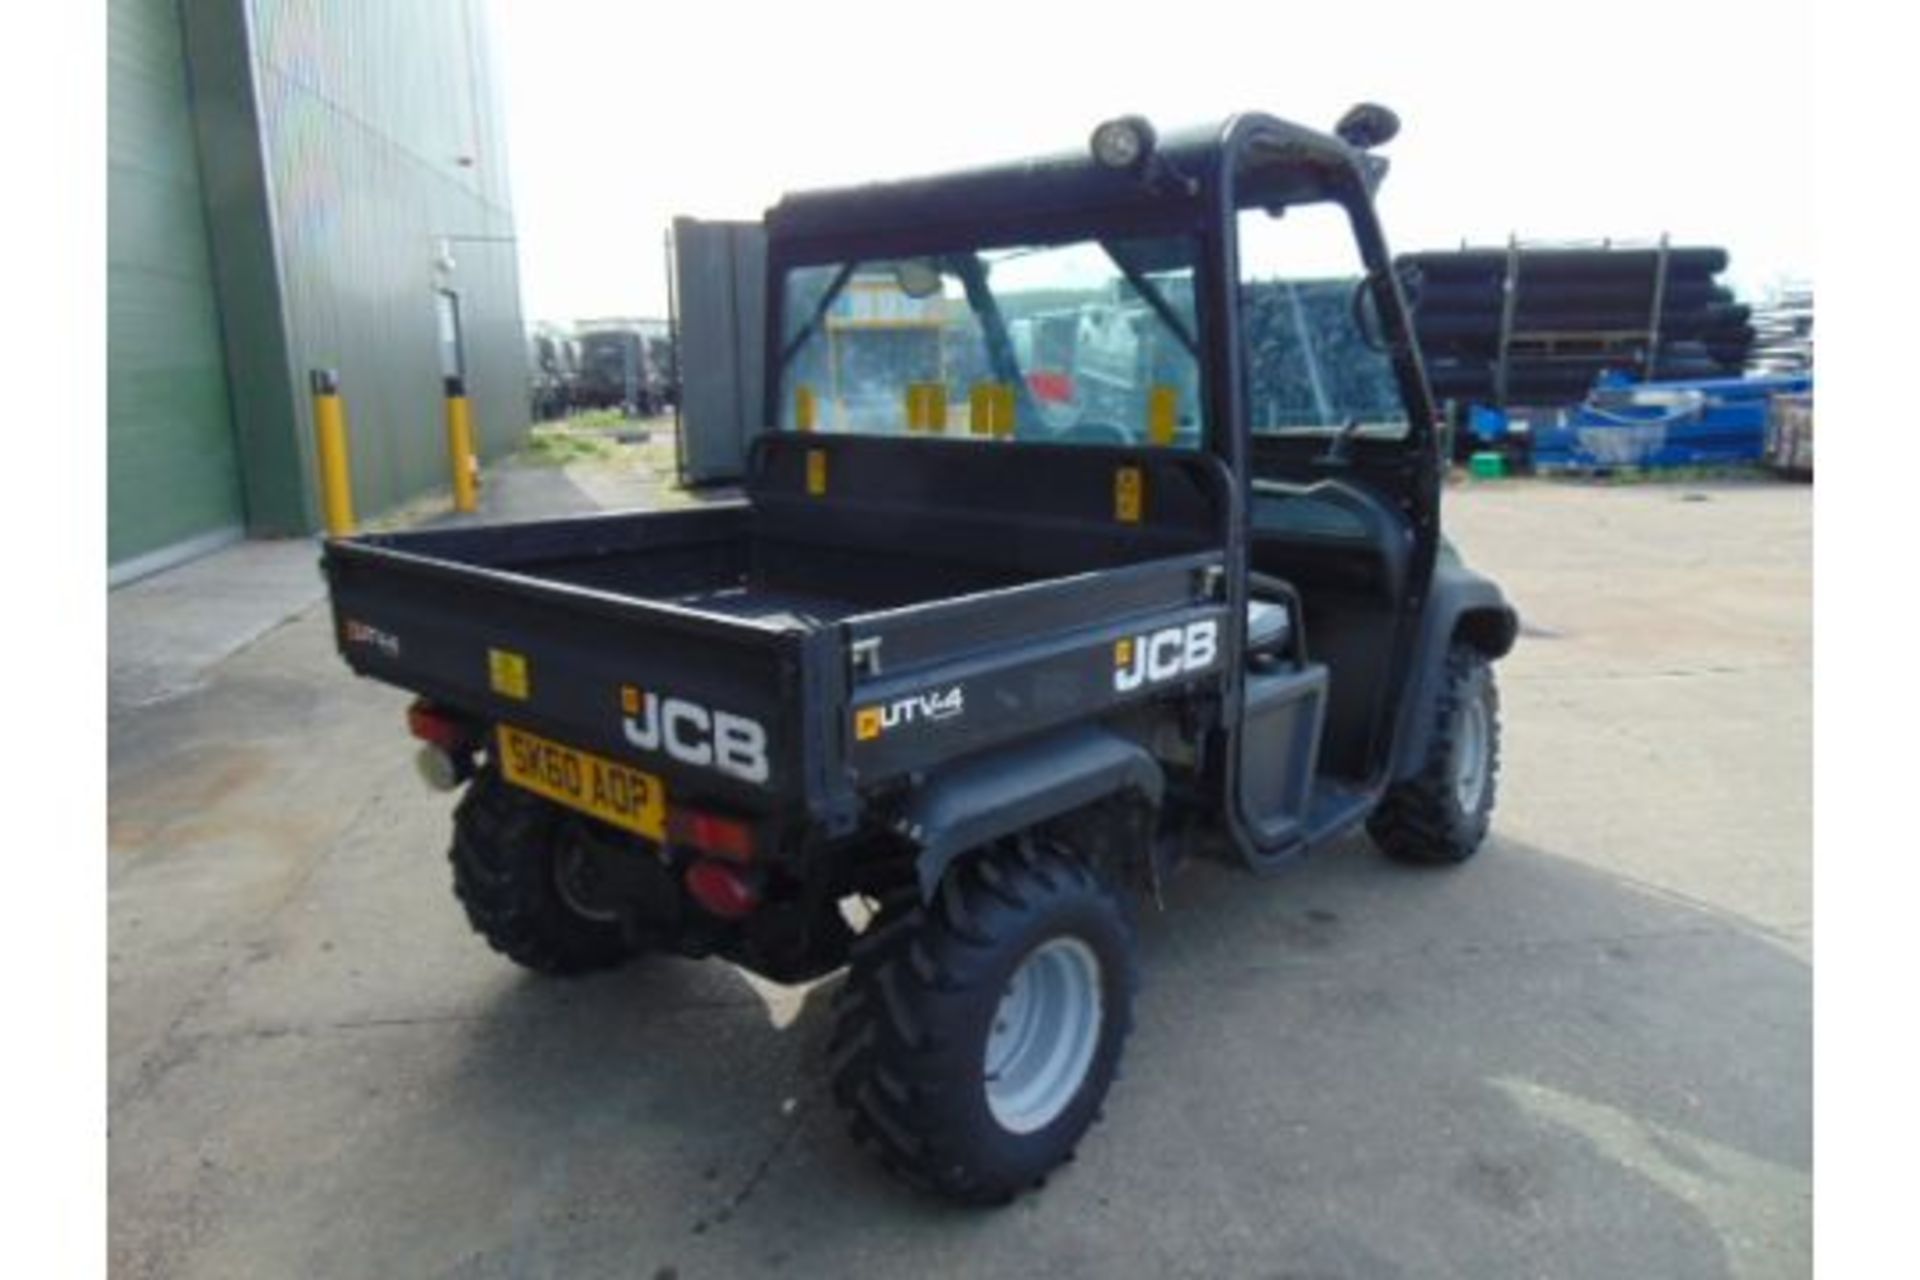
(292, 185)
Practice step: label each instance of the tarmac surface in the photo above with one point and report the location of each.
(1585, 1054)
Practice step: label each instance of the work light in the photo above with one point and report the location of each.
(1124, 143)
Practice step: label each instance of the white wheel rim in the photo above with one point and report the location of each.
(1470, 743)
(1044, 1033)
(569, 867)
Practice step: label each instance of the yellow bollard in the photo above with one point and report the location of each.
(330, 438)
(466, 467)
(927, 407)
(990, 409)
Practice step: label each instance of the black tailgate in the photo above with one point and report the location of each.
(572, 662)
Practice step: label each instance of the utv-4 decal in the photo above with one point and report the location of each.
(929, 707)
(372, 637)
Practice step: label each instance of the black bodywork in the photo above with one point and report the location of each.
(934, 633)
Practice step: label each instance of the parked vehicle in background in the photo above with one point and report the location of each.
(626, 366)
(613, 372)
(550, 374)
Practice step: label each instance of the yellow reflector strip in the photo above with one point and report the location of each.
(1129, 494)
(927, 407)
(803, 408)
(1163, 413)
(990, 409)
(817, 472)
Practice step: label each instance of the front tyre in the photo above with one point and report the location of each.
(1441, 814)
(517, 866)
(978, 1034)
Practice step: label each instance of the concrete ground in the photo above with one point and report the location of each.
(1587, 1053)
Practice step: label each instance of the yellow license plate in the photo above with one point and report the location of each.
(596, 786)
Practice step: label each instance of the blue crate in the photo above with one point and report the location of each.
(1699, 422)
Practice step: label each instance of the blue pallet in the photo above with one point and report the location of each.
(1624, 424)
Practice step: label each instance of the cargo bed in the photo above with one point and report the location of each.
(784, 611)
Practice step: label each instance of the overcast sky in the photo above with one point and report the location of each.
(1553, 122)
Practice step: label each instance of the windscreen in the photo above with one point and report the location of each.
(1087, 342)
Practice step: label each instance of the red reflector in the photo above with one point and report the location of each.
(430, 724)
(711, 833)
(721, 889)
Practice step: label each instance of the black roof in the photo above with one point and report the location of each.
(1062, 183)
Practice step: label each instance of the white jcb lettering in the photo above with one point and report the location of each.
(1202, 641)
(678, 716)
(643, 730)
(739, 747)
(691, 734)
(1165, 654)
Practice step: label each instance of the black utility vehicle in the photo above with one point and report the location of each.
(984, 643)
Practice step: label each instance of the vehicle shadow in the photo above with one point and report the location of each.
(1353, 1068)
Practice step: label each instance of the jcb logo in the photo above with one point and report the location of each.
(692, 734)
(1161, 655)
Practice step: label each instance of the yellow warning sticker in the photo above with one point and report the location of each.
(866, 724)
(1163, 413)
(507, 673)
(1128, 494)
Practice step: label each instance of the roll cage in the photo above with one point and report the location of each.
(1200, 179)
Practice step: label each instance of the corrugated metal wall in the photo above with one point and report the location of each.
(385, 147)
(172, 474)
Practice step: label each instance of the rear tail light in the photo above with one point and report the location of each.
(711, 833)
(723, 890)
(448, 740)
(441, 728)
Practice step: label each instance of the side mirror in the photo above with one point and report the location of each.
(1413, 282)
(1367, 125)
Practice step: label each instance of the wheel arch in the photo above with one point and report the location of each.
(974, 802)
(1463, 606)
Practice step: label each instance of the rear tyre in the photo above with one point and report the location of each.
(978, 1034)
(515, 862)
(1441, 814)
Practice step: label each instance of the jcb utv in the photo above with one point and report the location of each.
(1095, 521)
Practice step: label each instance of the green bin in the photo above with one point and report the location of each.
(1487, 466)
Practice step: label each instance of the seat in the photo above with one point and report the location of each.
(1269, 628)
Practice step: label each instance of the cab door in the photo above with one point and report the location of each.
(1340, 484)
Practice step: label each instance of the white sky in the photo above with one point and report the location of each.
(1621, 120)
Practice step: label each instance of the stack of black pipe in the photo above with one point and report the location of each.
(1574, 313)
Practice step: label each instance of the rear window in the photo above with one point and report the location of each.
(1090, 342)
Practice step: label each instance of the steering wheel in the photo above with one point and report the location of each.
(1097, 433)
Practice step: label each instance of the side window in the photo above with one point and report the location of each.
(1309, 366)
